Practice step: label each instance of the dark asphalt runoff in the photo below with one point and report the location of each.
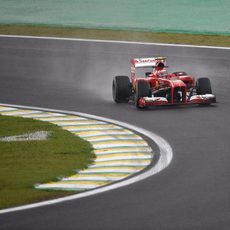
(192, 193)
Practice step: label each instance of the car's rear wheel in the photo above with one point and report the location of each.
(203, 86)
(121, 89)
(142, 90)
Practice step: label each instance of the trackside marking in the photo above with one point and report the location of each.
(6, 109)
(100, 172)
(96, 133)
(111, 177)
(84, 122)
(111, 137)
(122, 150)
(19, 112)
(112, 41)
(126, 139)
(66, 118)
(124, 157)
(110, 169)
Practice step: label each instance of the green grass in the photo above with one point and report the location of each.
(25, 163)
(175, 38)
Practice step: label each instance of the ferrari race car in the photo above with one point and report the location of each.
(152, 85)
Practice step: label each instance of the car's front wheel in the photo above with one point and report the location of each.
(203, 86)
(121, 89)
(142, 90)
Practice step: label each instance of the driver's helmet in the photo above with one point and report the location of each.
(160, 70)
(159, 66)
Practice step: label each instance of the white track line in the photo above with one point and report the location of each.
(112, 41)
(165, 159)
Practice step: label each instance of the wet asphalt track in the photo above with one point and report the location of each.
(192, 193)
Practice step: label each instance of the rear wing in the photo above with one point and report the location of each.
(147, 62)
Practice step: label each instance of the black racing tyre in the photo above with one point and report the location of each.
(203, 86)
(121, 89)
(142, 90)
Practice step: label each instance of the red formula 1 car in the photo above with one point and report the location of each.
(152, 85)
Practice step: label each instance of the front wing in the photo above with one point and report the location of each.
(196, 99)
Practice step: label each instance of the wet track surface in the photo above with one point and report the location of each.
(192, 193)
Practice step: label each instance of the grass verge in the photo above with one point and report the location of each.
(155, 37)
(25, 163)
